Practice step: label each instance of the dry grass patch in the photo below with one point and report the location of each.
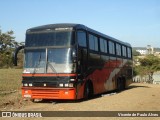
(10, 87)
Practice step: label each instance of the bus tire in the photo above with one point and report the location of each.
(88, 90)
(120, 83)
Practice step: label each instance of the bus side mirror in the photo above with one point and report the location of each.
(14, 57)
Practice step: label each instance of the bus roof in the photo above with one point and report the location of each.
(74, 26)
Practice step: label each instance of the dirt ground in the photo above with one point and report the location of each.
(138, 97)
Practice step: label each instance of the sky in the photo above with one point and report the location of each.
(134, 21)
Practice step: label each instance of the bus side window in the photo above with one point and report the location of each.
(93, 42)
(129, 52)
(118, 49)
(81, 38)
(103, 45)
(111, 47)
(124, 54)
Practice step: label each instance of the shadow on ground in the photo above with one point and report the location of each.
(136, 86)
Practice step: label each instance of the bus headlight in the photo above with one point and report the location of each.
(61, 85)
(30, 84)
(25, 84)
(66, 85)
(70, 85)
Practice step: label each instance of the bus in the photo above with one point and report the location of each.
(73, 61)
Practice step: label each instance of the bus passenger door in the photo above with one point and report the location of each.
(82, 61)
(82, 57)
(82, 52)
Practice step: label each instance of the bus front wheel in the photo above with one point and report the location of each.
(88, 90)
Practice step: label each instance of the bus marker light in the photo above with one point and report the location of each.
(66, 93)
(26, 91)
(72, 79)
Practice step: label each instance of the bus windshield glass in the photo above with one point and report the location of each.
(35, 61)
(49, 38)
(49, 60)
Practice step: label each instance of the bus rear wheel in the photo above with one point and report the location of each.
(88, 90)
(121, 83)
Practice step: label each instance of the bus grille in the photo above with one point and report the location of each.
(47, 94)
(39, 84)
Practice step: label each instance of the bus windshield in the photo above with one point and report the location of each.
(48, 38)
(48, 60)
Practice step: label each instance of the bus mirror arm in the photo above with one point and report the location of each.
(15, 54)
(74, 59)
(74, 56)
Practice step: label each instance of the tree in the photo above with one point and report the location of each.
(7, 41)
(7, 45)
(148, 66)
(135, 53)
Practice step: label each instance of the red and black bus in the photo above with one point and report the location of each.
(72, 61)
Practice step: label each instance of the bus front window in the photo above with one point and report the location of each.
(35, 61)
(58, 60)
(52, 38)
(49, 51)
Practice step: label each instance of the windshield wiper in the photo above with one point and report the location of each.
(36, 66)
(51, 66)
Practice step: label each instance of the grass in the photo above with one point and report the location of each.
(10, 87)
(10, 79)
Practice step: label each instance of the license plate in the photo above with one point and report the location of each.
(28, 96)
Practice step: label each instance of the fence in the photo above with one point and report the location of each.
(155, 79)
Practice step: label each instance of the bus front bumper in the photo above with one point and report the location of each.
(48, 93)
